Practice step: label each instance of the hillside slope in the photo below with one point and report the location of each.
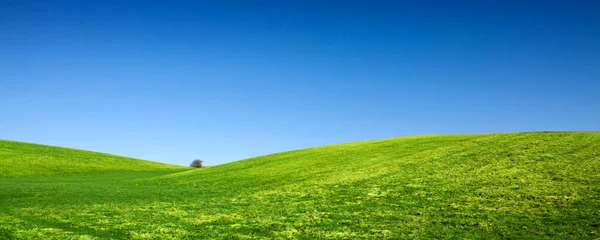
(487, 186)
(19, 158)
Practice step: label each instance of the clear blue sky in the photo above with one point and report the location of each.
(224, 80)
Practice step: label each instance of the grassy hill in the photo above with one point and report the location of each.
(18, 159)
(514, 185)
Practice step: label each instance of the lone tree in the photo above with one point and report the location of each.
(196, 163)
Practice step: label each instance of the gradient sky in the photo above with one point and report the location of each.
(225, 80)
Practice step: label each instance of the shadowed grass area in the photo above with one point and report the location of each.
(487, 186)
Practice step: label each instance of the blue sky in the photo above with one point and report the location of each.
(227, 80)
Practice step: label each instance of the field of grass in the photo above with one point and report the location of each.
(485, 186)
(20, 159)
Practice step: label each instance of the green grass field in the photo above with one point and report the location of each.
(481, 186)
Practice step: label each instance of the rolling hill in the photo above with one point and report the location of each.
(18, 159)
(488, 186)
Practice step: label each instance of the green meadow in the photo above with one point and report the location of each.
(479, 186)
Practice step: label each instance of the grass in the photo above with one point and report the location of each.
(20, 159)
(483, 186)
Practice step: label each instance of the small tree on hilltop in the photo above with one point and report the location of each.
(196, 163)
